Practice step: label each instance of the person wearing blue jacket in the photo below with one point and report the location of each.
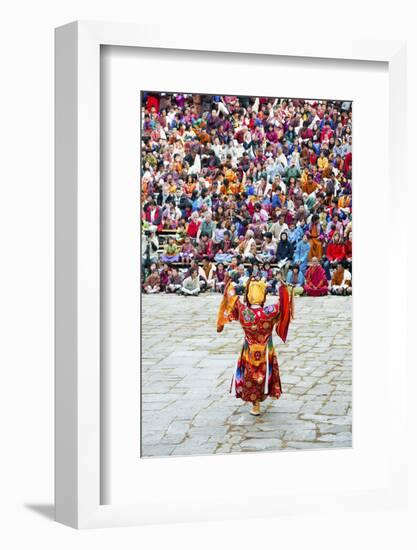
(301, 254)
(296, 279)
(298, 233)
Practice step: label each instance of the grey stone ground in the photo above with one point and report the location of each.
(187, 369)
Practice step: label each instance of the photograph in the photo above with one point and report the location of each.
(246, 273)
(182, 305)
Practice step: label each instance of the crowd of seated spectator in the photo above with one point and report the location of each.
(245, 185)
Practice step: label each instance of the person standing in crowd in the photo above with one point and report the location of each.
(315, 237)
(301, 253)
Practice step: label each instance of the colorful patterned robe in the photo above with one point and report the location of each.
(258, 353)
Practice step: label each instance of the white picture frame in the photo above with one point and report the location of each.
(77, 250)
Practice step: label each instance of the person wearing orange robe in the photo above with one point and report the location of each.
(309, 186)
(315, 236)
(236, 187)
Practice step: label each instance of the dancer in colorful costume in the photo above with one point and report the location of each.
(257, 372)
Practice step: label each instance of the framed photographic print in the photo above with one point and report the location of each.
(217, 343)
(247, 205)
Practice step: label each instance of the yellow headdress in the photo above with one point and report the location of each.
(255, 292)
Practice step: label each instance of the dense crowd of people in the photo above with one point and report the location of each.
(234, 186)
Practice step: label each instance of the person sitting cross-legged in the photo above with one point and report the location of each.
(341, 283)
(174, 282)
(208, 270)
(187, 251)
(171, 251)
(315, 280)
(152, 284)
(296, 279)
(191, 285)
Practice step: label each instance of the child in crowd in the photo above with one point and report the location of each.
(268, 247)
(181, 232)
(171, 251)
(205, 248)
(152, 283)
(225, 251)
(219, 278)
(174, 281)
(187, 251)
(273, 286)
(266, 272)
(164, 276)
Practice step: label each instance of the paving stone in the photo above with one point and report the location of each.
(308, 445)
(338, 408)
(339, 437)
(332, 428)
(300, 435)
(271, 434)
(261, 444)
(290, 379)
(287, 406)
(321, 389)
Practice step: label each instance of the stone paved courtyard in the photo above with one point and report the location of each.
(187, 368)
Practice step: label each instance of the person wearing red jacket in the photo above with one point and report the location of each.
(153, 214)
(326, 132)
(348, 249)
(205, 248)
(194, 225)
(336, 251)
